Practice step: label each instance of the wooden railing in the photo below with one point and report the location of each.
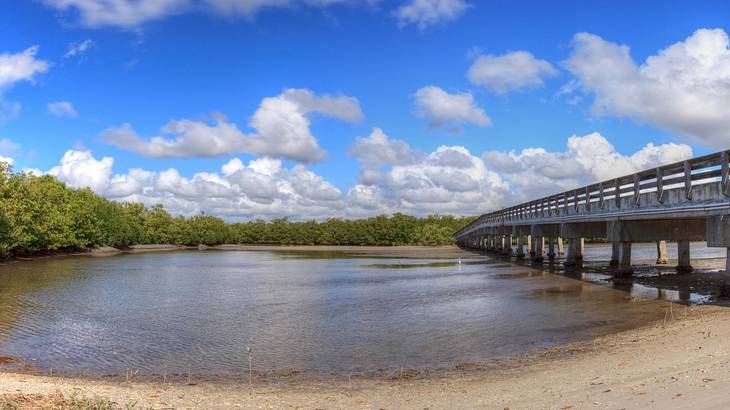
(594, 198)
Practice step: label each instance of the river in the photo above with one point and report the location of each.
(199, 311)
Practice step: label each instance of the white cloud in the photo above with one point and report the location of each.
(260, 189)
(80, 169)
(7, 148)
(509, 72)
(75, 49)
(378, 149)
(62, 109)
(536, 172)
(281, 127)
(425, 13)
(21, 66)
(250, 7)
(397, 178)
(119, 13)
(449, 180)
(683, 89)
(130, 14)
(442, 108)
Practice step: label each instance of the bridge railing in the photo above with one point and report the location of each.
(595, 197)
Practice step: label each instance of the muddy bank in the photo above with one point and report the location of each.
(680, 361)
(439, 252)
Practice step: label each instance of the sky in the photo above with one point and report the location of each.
(310, 109)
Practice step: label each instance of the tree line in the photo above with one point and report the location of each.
(39, 214)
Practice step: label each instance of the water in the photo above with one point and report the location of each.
(179, 312)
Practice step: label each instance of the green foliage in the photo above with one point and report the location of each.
(41, 214)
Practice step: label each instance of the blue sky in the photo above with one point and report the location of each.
(195, 59)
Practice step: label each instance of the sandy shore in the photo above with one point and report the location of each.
(681, 363)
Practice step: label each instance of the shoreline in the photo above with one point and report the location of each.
(402, 251)
(679, 358)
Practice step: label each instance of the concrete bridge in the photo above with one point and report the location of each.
(685, 201)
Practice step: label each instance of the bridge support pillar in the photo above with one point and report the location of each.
(520, 246)
(575, 251)
(624, 259)
(684, 265)
(561, 251)
(661, 253)
(551, 248)
(530, 246)
(539, 243)
(508, 244)
(718, 235)
(614, 253)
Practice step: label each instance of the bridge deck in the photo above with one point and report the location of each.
(696, 190)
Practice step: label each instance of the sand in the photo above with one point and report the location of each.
(681, 363)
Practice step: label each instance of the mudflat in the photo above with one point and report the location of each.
(682, 361)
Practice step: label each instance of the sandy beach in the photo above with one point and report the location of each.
(680, 362)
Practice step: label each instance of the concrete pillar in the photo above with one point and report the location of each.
(508, 244)
(718, 235)
(581, 248)
(614, 253)
(624, 258)
(539, 243)
(684, 265)
(520, 246)
(575, 251)
(551, 248)
(661, 253)
(561, 252)
(530, 246)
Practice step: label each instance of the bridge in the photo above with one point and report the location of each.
(685, 201)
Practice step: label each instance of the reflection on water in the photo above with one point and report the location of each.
(198, 311)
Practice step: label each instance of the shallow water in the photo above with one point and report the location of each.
(179, 312)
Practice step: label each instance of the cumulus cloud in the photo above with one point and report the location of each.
(425, 13)
(62, 109)
(536, 172)
(509, 72)
(378, 149)
(260, 189)
(441, 108)
(80, 169)
(683, 89)
(6, 160)
(281, 124)
(398, 178)
(76, 49)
